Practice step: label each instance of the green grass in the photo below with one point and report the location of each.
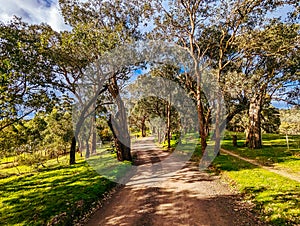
(36, 197)
(173, 144)
(277, 198)
(274, 151)
(106, 164)
(7, 159)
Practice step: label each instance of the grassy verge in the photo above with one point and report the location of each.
(274, 152)
(277, 198)
(57, 193)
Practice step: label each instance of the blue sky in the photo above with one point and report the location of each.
(33, 11)
(47, 11)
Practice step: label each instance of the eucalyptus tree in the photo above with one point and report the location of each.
(181, 22)
(208, 31)
(159, 112)
(290, 119)
(269, 56)
(97, 27)
(169, 72)
(24, 71)
(58, 60)
(139, 116)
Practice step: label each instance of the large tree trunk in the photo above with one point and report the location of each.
(73, 151)
(254, 129)
(119, 125)
(122, 147)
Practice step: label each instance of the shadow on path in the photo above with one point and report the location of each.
(186, 197)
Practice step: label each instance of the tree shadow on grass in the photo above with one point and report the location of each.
(270, 200)
(35, 199)
(225, 162)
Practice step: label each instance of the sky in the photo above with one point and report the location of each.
(47, 11)
(33, 11)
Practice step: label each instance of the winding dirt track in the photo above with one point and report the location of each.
(188, 197)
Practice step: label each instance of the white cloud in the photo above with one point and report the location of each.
(33, 11)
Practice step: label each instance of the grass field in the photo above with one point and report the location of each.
(57, 192)
(277, 198)
(274, 152)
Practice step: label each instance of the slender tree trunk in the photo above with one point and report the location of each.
(169, 124)
(201, 119)
(143, 131)
(219, 122)
(287, 141)
(94, 139)
(87, 150)
(143, 127)
(94, 135)
(158, 135)
(254, 129)
(218, 126)
(81, 145)
(73, 151)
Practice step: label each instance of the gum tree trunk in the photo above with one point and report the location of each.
(73, 151)
(87, 150)
(122, 147)
(201, 118)
(94, 139)
(254, 140)
(143, 127)
(169, 124)
(118, 124)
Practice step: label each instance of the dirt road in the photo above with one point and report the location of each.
(188, 197)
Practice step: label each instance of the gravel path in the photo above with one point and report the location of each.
(188, 197)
